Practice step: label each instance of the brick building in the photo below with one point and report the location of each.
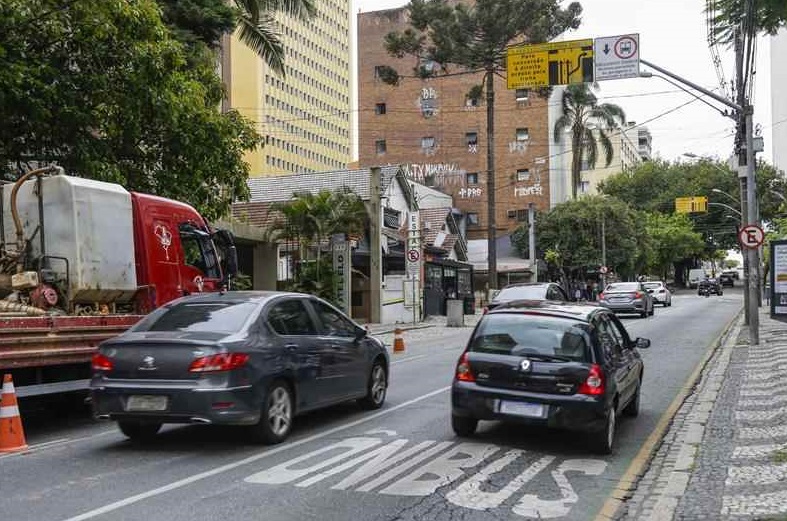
(438, 133)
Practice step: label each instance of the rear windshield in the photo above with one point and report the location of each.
(652, 285)
(521, 293)
(219, 317)
(623, 286)
(519, 334)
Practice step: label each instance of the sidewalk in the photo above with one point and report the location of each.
(429, 322)
(724, 456)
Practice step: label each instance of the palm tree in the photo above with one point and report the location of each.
(257, 26)
(588, 123)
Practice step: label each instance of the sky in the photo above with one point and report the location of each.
(672, 34)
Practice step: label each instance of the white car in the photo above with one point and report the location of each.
(659, 292)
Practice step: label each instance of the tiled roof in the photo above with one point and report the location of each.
(255, 214)
(282, 187)
(432, 223)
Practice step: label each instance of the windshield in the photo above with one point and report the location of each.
(652, 285)
(623, 286)
(218, 317)
(519, 334)
(521, 293)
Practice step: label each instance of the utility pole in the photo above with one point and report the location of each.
(603, 251)
(490, 178)
(741, 100)
(376, 249)
(531, 244)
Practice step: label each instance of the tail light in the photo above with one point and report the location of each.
(486, 310)
(101, 362)
(463, 371)
(638, 294)
(220, 362)
(601, 295)
(594, 383)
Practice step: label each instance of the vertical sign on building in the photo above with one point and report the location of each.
(413, 253)
(341, 268)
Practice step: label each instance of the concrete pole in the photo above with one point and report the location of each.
(603, 252)
(531, 219)
(490, 178)
(751, 202)
(376, 249)
(744, 210)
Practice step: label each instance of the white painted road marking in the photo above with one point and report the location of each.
(756, 474)
(245, 461)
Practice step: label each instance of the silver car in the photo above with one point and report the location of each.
(659, 292)
(627, 297)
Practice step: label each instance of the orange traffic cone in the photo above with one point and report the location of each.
(398, 346)
(12, 435)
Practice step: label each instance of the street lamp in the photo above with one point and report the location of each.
(730, 208)
(722, 192)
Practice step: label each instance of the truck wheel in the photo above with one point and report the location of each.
(139, 431)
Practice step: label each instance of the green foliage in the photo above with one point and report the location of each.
(672, 237)
(769, 17)
(241, 282)
(588, 123)
(104, 90)
(571, 236)
(198, 22)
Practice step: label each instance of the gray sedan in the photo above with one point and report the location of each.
(238, 358)
(627, 297)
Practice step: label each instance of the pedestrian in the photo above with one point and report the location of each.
(578, 294)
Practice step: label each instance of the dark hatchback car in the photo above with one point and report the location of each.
(528, 291)
(565, 366)
(237, 358)
(710, 287)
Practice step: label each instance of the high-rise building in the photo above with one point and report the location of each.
(628, 146)
(304, 115)
(779, 100)
(436, 129)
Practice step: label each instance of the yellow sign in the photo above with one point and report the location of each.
(557, 63)
(691, 204)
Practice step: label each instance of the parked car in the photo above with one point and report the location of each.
(238, 358)
(627, 297)
(727, 279)
(711, 286)
(732, 273)
(569, 366)
(529, 291)
(660, 293)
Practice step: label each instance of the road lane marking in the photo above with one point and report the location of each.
(60, 442)
(245, 461)
(410, 359)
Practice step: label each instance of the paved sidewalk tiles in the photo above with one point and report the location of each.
(725, 454)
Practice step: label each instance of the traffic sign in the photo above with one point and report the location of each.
(413, 255)
(603, 270)
(751, 236)
(616, 57)
(555, 63)
(691, 204)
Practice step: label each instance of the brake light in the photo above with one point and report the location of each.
(594, 383)
(637, 294)
(463, 371)
(101, 362)
(601, 295)
(219, 362)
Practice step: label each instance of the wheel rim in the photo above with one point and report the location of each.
(610, 427)
(279, 411)
(378, 384)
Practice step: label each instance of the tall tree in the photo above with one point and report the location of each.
(255, 20)
(104, 90)
(588, 122)
(768, 16)
(672, 238)
(474, 37)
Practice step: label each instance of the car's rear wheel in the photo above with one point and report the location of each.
(277, 414)
(139, 431)
(602, 440)
(376, 388)
(463, 425)
(632, 409)
(652, 310)
(643, 314)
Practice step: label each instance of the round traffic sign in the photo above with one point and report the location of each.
(603, 270)
(625, 47)
(413, 255)
(751, 236)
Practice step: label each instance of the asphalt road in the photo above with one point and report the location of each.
(400, 463)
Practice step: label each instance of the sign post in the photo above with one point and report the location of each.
(412, 260)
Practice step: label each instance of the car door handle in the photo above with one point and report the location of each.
(291, 347)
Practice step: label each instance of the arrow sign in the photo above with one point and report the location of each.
(616, 57)
(606, 48)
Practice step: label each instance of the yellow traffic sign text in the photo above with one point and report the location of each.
(557, 63)
(691, 204)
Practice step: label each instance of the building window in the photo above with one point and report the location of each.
(512, 214)
(584, 187)
(472, 178)
(523, 174)
(379, 146)
(472, 219)
(472, 102)
(522, 94)
(379, 109)
(471, 138)
(378, 72)
(521, 215)
(522, 134)
(427, 143)
(584, 165)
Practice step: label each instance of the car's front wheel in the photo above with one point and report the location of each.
(463, 425)
(603, 439)
(277, 415)
(139, 431)
(376, 388)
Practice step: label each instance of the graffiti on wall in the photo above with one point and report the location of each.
(470, 193)
(435, 174)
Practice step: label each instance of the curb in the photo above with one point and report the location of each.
(402, 327)
(613, 507)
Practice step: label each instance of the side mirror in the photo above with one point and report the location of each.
(360, 333)
(642, 343)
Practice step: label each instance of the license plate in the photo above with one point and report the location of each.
(146, 403)
(619, 299)
(531, 410)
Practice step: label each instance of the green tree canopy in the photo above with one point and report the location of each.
(672, 238)
(768, 17)
(588, 122)
(103, 89)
